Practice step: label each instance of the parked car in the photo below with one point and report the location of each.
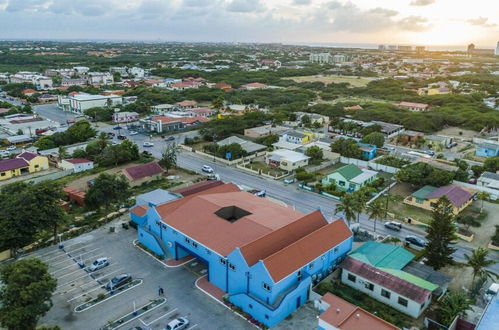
(98, 264)
(134, 132)
(207, 169)
(111, 134)
(415, 241)
(121, 137)
(431, 152)
(288, 180)
(213, 177)
(115, 143)
(170, 138)
(11, 148)
(148, 144)
(118, 281)
(178, 324)
(4, 153)
(117, 127)
(393, 225)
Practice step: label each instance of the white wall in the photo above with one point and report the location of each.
(413, 308)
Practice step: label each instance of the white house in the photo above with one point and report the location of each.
(77, 164)
(81, 69)
(489, 180)
(286, 159)
(137, 72)
(100, 78)
(125, 117)
(78, 103)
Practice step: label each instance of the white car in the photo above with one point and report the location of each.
(98, 264)
(178, 324)
(4, 153)
(148, 144)
(207, 169)
(133, 133)
(11, 148)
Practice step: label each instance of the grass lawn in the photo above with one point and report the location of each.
(352, 80)
(401, 210)
(264, 168)
(369, 304)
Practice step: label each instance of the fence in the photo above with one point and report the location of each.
(225, 161)
(51, 176)
(369, 164)
(325, 164)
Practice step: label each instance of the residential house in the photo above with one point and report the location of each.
(202, 112)
(416, 107)
(75, 195)
(46, 98)
(248, 146)
(29, 92)
(427, 197)
(164, 124)
(439, 91)
(271, 63)
(264, 130)
(314, 118)
(350, 178)
(388, 129)
(386, 273)
(77, 164)
(353, 107)
(487, 149)
(323, 145)
(409, 137)
(368, 150)
(490, 316)
(67, 82)
(137, 72)
(286, 159)
(125, 117)
(162, 108)
(252, 86)
(263, 256)
(100, 78)
(150, 170)
(489, 180)
(187, 104)
(338, 314)
(296, 137)
(24, 163)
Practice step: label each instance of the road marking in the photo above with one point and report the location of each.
(84, 293)
(94, 279)
(195, 325)
(58, 270)
(67, 274)
(159, 318)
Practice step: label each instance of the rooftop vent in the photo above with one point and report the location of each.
(232, 213)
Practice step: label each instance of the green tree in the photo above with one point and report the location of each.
(376, 211)
(79, 153)
(107, 189)
(421, 174)
(491, 164)
(169, 157)
(483, 196)
(80, 131)
(375, 138)
(63, 153)
(346, 207)
(478, 262)
(268, 140)
(26, 293)
(441, 235)
(305, 120)
(315, 153)
(346, 148)
(452, 305)
(218, 102)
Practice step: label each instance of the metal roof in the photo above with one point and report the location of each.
(423, 192)
(383, 255)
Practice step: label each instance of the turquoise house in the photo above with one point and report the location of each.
(350, 178)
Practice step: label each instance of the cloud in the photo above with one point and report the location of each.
(301, 2)
(480, 21)
(196, 3)
(245, 6)
(414, 24)
(22, 5)
(421, 3)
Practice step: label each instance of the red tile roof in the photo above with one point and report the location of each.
(198, 187)
(185, 120)
(78, 160)
(186, 103)
(281, 238)
(345, 316)
(353, 107)
(12, 164)
(189, 214)
(27, 155)
(413, 105)
(254, 85)
(306, 249)
(139, 210)
(386, 280)
(142, 171)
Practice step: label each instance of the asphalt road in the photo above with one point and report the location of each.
(52, 112)
(303, 201)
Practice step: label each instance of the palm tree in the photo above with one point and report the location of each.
(478, 262)
(483, 196)
(453, 304)
(361, 197)
(376, 210)
(346, 206)
(388, 198)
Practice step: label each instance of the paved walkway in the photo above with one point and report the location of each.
(210, 289)
(172, 263)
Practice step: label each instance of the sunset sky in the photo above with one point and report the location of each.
(425, 22)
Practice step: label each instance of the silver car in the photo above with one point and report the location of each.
(178, 324)
(98, 264)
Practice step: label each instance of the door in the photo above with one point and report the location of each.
(298, 302)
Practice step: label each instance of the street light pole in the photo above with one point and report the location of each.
(215, 147)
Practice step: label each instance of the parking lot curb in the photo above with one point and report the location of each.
(136, 317)
(141, 249)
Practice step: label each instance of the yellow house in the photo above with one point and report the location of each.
(438, 91)
(297, 137)
(24, 163)
(427, 197)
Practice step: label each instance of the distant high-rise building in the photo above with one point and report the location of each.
(496, 53)
(405, 48)
(320, 58)
(392, 47)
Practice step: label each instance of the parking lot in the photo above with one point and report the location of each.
(75, 286)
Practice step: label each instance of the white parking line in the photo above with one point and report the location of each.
(85, 293)
(91, 281)
(195, 325)
(63, 285)
(159, 318)
(74, 254)
(67, 274)
(58, 270)
(60, 262)
(95, 279)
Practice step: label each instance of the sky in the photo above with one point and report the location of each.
(412, 22)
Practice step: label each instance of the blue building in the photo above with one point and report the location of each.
(368, 150)
(263, 255)
(487, 150)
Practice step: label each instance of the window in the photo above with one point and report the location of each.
(336, 249)
(266, 286)
(298, 275)
(266, 316)
(422, 305)
(250, 306)
(433, 204)
(323, 257)
(194, 244)
(311, 265)
(385, 293)
(402, 301)
(341, 183)
(419, 200)
(232, 267)
(369, 286)
(222, 261)
(352, 278)
(3, 174)
(208, 251)
(36, 166)
(188, 241)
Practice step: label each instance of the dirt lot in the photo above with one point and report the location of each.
(487, 229)
(462, 277)
(454, 132)
(354, 81)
